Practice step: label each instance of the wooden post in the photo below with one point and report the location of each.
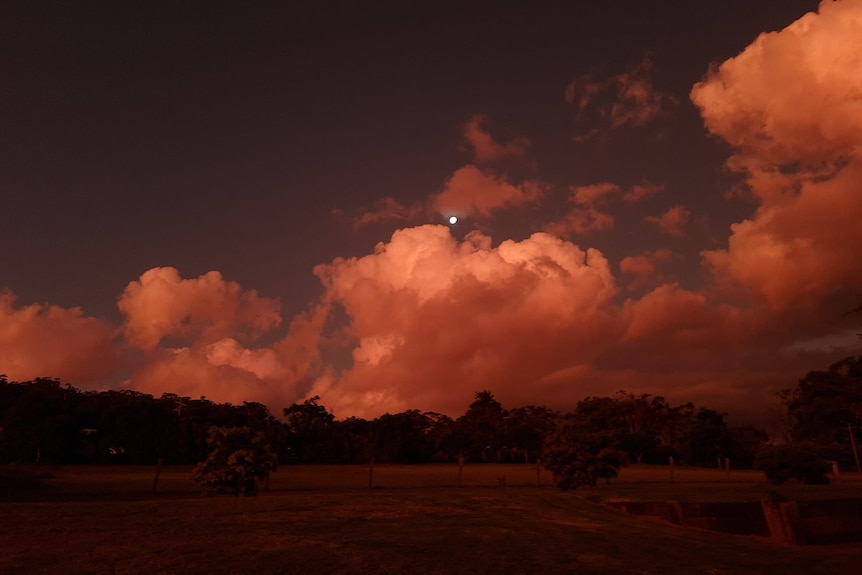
(502, 480)
(853, 445)
(835, 471)
(460, 468)
(772, 515)
(371, 473)
(792, 522)
(670, 461)
(156, 478)
(538, 471)
(727, 469)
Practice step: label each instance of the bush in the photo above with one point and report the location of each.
(577, 456)
(781, 463)
(238, 460)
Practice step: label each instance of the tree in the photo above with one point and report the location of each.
(580, 455)
(239, 458)
(824, 403)
(483, 424)
(310, 430)
(527, 427)
(401, 438)
(781, 463)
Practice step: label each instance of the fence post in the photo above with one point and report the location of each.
(156, 478)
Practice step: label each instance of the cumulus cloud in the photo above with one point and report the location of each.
(627, 99)
(425, 320)
(485, 148)
(474, 192)
(222, 371)
(430, 320)
(673, 221)
(161, 304)
(791, 107)
(433, 319)
(51, 341)
(646, 267)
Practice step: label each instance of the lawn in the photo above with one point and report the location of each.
(416, 520)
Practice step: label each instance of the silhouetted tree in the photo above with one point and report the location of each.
(578, 454)
(484, 425)
(527, 426)
(239, 459)
(824, 403)
(401, 438)
(781, 463)
(311, 431)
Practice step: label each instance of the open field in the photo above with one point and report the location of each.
(325, 520)
(636, 482)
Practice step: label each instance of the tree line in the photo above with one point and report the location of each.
(46, 421)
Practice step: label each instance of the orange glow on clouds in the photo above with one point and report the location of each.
(428, 318)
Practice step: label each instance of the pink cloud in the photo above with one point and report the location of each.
(790, 107)
(431, 318)
(161, 304)
(646, 267)
(189, 334)
(51, 341)
(222, 371)
(673, 221)
(485, 148)
(471, 191)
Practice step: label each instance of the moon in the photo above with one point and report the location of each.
(453, 220)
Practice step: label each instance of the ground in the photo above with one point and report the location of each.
(415, 520)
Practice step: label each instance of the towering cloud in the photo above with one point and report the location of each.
(434, 319)
(161, 304)
(791, 106)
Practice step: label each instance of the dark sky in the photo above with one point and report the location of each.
(248, 138)
(222, 136)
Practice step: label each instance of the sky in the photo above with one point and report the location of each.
(251, 202)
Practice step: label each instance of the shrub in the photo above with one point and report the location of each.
(577, 456)
(238, 460)
(781, 463)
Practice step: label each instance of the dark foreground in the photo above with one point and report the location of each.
(470, 529)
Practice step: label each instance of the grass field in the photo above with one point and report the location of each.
(324, 519)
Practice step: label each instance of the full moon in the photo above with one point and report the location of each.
(453, 220)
